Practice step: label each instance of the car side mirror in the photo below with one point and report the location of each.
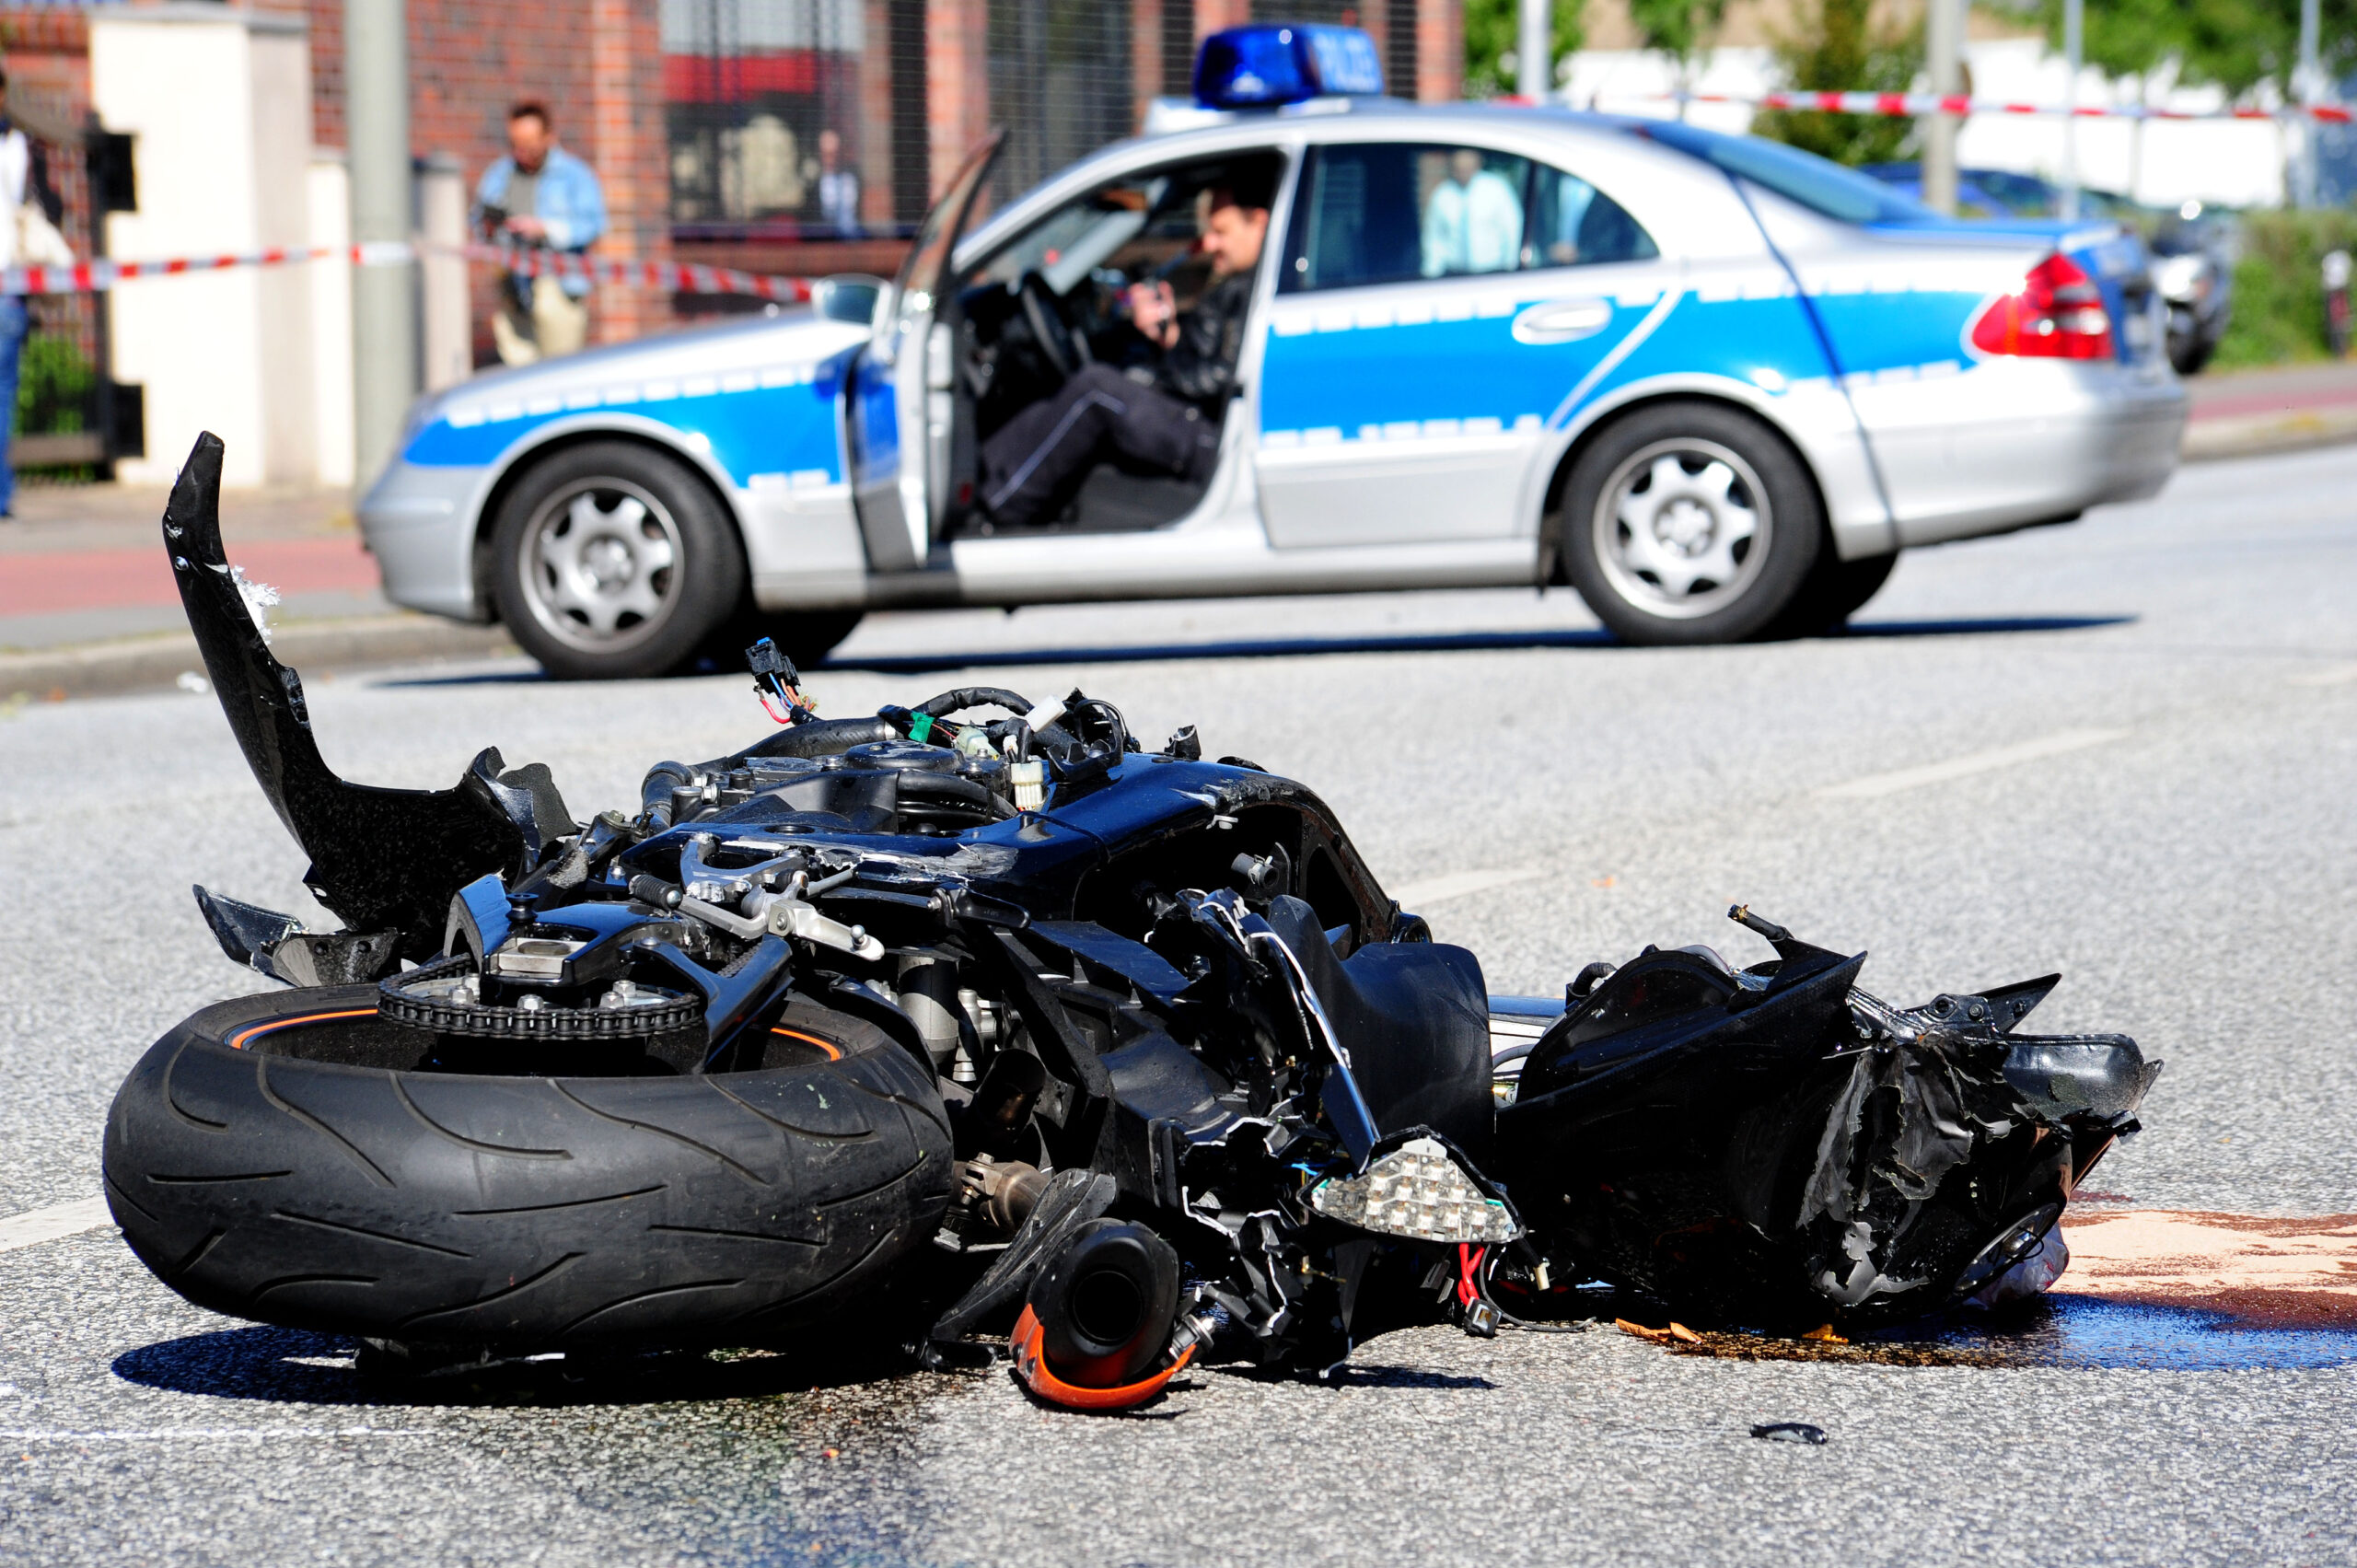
(848, 296)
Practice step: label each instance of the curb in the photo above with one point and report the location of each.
(2253, 435)
(138, 663)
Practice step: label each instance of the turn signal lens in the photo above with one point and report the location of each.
(2057, 314)
(1417, 1191)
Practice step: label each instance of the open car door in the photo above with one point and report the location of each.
(895, 384)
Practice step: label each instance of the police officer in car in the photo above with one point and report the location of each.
(1158, 417)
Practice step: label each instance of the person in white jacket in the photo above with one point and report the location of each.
(27, 237)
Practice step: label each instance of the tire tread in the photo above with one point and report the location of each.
(342, 1198)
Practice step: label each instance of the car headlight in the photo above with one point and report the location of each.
(1419, 1191)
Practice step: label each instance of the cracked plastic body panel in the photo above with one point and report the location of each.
(910, 1024)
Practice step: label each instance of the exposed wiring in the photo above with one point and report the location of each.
(1476, 1279)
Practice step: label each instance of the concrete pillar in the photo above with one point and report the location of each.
(448, 324)
(1534, 49)
(330, 227)
(1944, 61)
(384, 298)
(217, 102)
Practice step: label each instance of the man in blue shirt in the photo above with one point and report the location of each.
(541, 198)
(1472, 220)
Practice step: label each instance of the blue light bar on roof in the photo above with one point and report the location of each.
(1278, 63)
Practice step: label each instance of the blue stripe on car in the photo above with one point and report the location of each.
(786, 425)
(1344, 380)
(1350, 378)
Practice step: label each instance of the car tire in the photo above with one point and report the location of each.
(1836, 590)
(2187, 358)
(1690, 523)
(611, 560)
(351, 1192)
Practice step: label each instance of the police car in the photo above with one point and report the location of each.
(1714, 383)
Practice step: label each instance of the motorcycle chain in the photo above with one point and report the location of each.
(396, 1002)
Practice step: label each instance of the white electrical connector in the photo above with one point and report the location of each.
(1030, 781)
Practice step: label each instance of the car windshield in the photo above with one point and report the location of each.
(1816, 183)
(1076, 238)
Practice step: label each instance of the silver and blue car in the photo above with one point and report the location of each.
(1714, 383)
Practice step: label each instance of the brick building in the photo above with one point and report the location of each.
(705, 118)
(709, 121)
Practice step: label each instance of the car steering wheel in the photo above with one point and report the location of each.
(1049, 328)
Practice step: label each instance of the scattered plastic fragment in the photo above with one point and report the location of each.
(1791, 1432)
(190, 682)
(1825, 1332)
(260, 597)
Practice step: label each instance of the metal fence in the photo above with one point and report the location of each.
(71, 420)
(1061, 84)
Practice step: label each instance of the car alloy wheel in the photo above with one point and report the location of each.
(1682, 528)
(601, 570)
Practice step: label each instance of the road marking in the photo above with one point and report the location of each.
(1875, 784)
(2338, 675)
(1460, 884)
(163, 1434)
(47, 1224)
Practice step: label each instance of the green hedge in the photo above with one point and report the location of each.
(2279, 286)
(54, 385)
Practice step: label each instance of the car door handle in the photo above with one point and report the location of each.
(1563, 321)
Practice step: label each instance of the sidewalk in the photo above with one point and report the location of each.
(84, 562)
(2241, 413)
(87, 604)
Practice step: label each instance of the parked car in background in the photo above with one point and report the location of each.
(1715, 383)
(1979, 192)
(2002, 192)
(2193, 268)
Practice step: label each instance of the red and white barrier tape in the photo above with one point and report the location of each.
(93, 276)
(1914, 105)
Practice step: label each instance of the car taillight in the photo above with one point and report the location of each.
(2057, 314)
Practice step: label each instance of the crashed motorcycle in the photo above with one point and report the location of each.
(977, 1019)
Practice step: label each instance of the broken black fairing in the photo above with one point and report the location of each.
(380, 858)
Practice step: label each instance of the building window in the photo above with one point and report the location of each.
(763, 103)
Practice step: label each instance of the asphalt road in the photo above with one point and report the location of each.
(2125, 750)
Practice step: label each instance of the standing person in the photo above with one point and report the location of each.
(541, 197)
(27, 237)
(1473, 220)
(838, 188)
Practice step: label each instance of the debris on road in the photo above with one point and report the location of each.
(1791, 1432)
